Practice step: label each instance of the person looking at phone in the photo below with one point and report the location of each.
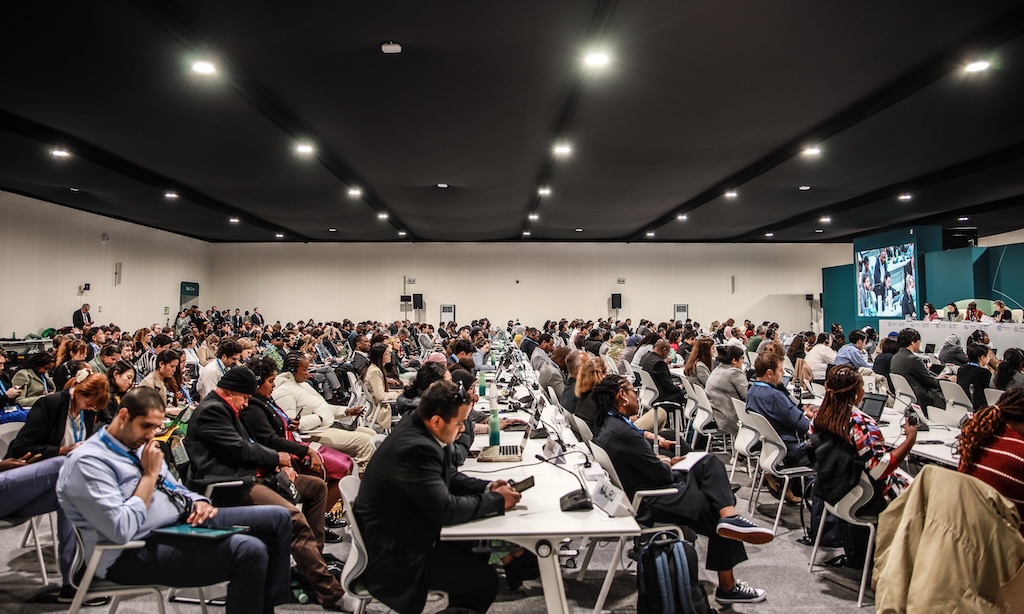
(10, 409)
(410, 490)
(58, 423)
(117, 488)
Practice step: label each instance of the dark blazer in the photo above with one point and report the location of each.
(220, 448)
(925, 386)
(667, 389)
(568, 398)
(79, 319)
(409, 491)
(44, 428)
(952, 354)
(980, 377)
(267, 428)
(4, 399)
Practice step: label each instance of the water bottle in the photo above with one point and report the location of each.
(482, 385)
(494, 426)
(299, 593)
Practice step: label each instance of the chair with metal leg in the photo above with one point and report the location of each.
(846, 509)
(773, 453)
(746, 439)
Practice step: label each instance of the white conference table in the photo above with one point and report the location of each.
(1001, 335)
(941, 453)
(537, 523)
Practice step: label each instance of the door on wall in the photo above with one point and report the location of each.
(447, 313)
(189, 295)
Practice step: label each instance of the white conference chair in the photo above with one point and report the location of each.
(378, 439)
(8, 432)
(958, 404)
(703, 418)
(773, 453)
(901, 387)
(847, 510)
(992, 395)
(746, 439)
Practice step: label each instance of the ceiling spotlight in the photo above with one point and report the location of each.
(650, 234)
(355, 192)
(812, 151)
(279, 235)
(391, 47)
(73, 189)
(818, 230)
(304, 148)
(382, 216)
(544, 191)
(596, 59)
(769, 234)
(731, 194)
(401, 233)
(826, 219)
(904, 197)
(962, 218)
(562, 149)
(533, 216)
(526, 233)
(171, 195)
(442, 185)
(579, 230)
(205, 68)
(681, 217)
(233, 220)
(977, 66)
(59, 153)
(332, 230)
(804, 188)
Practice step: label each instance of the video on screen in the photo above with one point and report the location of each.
(885, 282)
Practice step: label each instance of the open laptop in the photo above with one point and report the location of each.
(929, 348)
(505, 453)
(873, 404)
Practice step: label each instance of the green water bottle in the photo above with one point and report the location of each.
(482, 385)
(494, 426)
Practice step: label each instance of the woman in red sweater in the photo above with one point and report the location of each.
(992, 447)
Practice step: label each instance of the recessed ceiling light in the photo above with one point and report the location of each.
(59, 153)
(905, 196)
(731, 194)
(804, 188)
(544, 191)
(382, 216)
(442, 185)
(526, 233)
(650, 234)
(332, 230)
(205, 68)
(401, 233)
(769, 234)
(681, 217)
(170, 194)
(596, 59)
(962, 218)
(977, 66)
(279, 235)
(533, 216)
(579, 230)
(233, 220)
(304, 148)
(562, 149)
(391, 47)
(354, 192)
(73, 189)
(812, 151)
(819, 230)
(826, 219)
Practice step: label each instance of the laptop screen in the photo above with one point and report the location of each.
(873, 404)
(929, 348)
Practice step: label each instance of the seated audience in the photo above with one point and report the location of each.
(117, 488)
(229, 352)
(10, 396)
(162, 378)
(59, 422)
(1001, 313)
(820, 356)
(654, 364)
(550, 374)
(573, 362)
(146, 361)
(704, 500)
(853, 352)
(410, 490)
(790, 421)
(727, 382)
(883, 362)
(71, 353)
(698, 365)
(1010, 373)
(951, 352)
(376, 386)
(120, 379)
(974, 377)
(953, 314)
(107, 355)
(907, 364)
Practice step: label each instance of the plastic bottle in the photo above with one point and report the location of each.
(494, 426)
(299, 593)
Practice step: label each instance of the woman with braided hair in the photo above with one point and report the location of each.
(839, 419)
(992, 446)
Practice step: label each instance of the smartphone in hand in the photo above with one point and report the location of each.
(521, 485)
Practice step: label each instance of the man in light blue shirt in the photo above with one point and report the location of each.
(116, 488)
(852, 353)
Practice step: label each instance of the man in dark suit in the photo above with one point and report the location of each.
(654, 363)
(256, 318)
(81, 317)
(409, 491)
(236, 320)
(906, 363)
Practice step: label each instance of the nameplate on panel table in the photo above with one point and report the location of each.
(611, 499)
(553, 451)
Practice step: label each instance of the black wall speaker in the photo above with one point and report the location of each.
(616, 301)
(417, 301)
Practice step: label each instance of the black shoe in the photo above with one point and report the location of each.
(335, 521)
(67, 595)
(734, 487)
(331, 537)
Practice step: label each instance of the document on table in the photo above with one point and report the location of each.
(689, 461)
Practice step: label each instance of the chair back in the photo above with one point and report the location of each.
(747, 437)
(817, 389)
(787, 365)
(773, 449)
(601, 458)
(751, 358)
(8, 432)
(847, 508)
(649, 390)
(586, 435)
(355, 385)
(902, 388)
(691, 400)
(992, 395)
(377, 439)
(957, 402)
(358, 559)
(702, 414)
(610, 365)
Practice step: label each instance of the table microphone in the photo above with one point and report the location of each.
(577, 500)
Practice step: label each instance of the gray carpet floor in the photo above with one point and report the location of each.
(779, 567)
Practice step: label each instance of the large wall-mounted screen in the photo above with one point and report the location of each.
(885, 282)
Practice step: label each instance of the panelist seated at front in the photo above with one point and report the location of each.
(409, 491)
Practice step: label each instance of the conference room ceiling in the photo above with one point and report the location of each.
(698, 99)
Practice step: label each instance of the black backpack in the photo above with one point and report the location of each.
(667, 578)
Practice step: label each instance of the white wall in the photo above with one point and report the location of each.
(1006, 238)
(530, 281)
(48, 251)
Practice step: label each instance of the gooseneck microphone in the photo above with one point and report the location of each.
(577, 500)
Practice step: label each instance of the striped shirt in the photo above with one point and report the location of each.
(1001, 466)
